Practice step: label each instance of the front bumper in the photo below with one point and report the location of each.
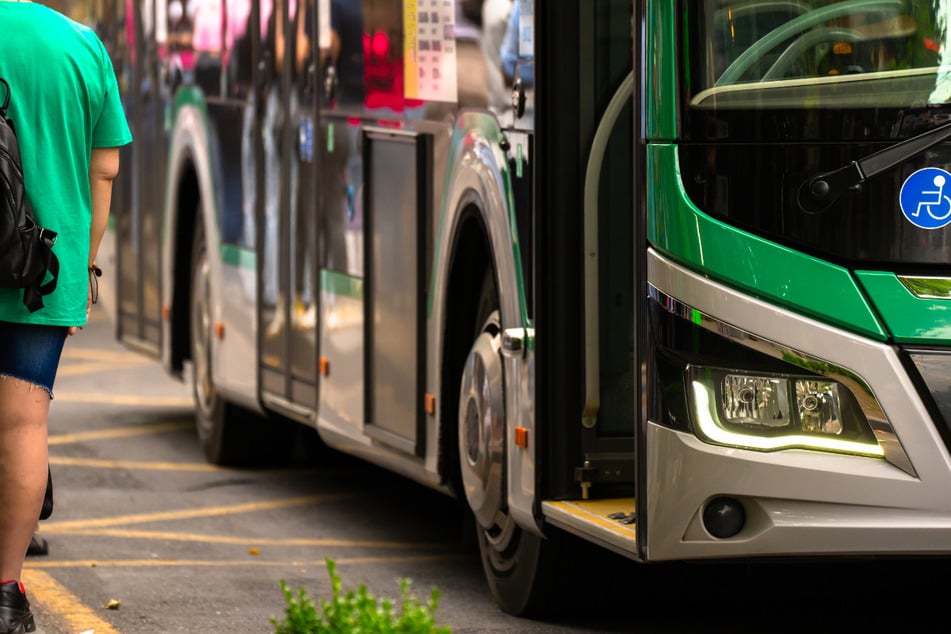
(797, 501)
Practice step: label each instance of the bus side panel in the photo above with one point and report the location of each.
(395, 219)
(235, 377)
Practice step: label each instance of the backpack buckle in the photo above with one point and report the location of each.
(47, 236)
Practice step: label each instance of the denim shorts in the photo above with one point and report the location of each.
(31, 352)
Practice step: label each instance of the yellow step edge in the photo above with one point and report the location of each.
(591, 520)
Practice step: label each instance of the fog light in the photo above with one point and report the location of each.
(724, 517)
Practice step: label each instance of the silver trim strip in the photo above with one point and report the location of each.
(927, 287)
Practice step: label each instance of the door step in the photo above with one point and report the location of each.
(608, 522)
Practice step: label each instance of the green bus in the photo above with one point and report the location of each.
(668, 275)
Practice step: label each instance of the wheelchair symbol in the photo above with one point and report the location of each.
(940, 197)
(923, 199)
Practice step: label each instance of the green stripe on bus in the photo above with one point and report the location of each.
(910, 319)
(233, 255)
(340, 284)
(768, 270)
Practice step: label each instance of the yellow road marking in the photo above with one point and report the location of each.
(72, 369)
(246, 541)
(132, 464)
(62, 605)
(123, 399)
(120, 432)
(217, 563)
(95, 354)
(141, 465)
(163, 516)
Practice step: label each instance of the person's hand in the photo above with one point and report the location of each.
(72, 330)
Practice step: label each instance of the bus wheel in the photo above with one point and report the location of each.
(512, 558)
(224, 430)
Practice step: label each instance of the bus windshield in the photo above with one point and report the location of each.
(758, 54)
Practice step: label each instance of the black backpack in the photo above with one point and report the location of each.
(25, 248)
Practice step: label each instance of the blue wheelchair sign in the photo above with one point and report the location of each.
(925, 198)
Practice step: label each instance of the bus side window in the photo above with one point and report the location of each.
(383, 55)
(237, 50)
(207, 44)
(346, 20)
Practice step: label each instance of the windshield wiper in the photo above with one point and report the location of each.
(819, 192)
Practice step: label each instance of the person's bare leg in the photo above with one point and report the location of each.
(24, 409)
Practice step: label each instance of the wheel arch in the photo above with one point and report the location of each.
(478, 233)
(187, 198)
(189, 192)
(471, 257)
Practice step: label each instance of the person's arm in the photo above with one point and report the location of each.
(103, 169)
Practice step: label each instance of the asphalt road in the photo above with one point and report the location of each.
(146, 537)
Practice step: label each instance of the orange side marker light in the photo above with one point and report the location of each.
(521, 437)
(429, 404)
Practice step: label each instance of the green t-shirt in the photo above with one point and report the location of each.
(64, 102)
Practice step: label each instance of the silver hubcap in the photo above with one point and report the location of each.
(201, 333)
(482, 427)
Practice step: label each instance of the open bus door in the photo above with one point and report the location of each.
(589, 307)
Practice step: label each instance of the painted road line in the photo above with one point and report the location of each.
(96, 354)
(214, 511)
(123, 399)
(247, 541)
(133, 465)
(74, 369)
(119, 432)
(230, 563)
(62, 606)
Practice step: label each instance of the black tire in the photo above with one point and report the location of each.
(229, 435)
(516, 562)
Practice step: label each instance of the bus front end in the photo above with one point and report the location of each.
(798, 217)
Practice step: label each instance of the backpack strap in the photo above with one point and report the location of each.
(34, 293)
(6, 98)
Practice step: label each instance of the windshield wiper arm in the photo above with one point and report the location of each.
(820, 191)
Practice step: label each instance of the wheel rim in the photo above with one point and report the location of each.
(482, 435)
(201, 340)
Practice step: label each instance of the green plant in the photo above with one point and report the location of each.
(357, 612)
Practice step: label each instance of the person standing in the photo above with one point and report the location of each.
(70, 125)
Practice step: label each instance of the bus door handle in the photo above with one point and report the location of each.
(310, 79)
(330, 83)
(263, 70)
(262, 73)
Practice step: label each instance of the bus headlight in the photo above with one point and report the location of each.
(776, 411)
